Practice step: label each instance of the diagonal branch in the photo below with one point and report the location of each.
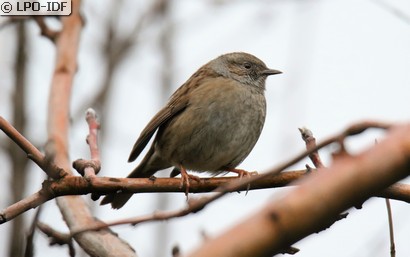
(32, 152)
(317, 200)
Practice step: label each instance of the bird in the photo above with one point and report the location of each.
(210, 123)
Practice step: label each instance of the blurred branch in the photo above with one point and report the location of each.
(115, 49)
(393, 10)
(165, 40)
(317, 200)
(74, 210)
(29, 252)
(391, 232)
(18, 160)
(45, 30)
(40, 20)
(57, 237)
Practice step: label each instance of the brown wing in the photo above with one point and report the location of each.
(177, 103)
(167, 113)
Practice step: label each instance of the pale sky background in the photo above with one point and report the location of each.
(342, 62)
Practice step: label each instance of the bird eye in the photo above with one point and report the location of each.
(247, 65)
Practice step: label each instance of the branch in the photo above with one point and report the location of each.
(71, 185)
(29, 251)
(57, 237)
(88, 168)
(32, 152)
(391, 232)
(74, 210)
(317, 200)
(310, 142)
(238, 184)
(103, 185)
(45, 30)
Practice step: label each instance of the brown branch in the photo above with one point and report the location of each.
(29, 251)
(198, 204)
(317, 200)
(45, 30)
(72, 185)
(77, 185)
(32, 152)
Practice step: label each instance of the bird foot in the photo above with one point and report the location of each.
(243, 173)
(185, 177)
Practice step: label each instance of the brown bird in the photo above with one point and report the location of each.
(210, 124)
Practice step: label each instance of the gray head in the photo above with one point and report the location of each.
(243, 67)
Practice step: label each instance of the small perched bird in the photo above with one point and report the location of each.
(210, 124)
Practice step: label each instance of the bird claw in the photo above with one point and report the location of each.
(185, 177)
(243, 173)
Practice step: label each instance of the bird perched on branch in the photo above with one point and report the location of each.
(210, 124)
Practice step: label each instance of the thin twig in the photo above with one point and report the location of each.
(29, 252)
(391, 232)
(89, 168)
(32, 152)
(45, 30)
(57, 237)
(310, 142)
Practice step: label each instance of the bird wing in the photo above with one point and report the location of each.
(177, 103)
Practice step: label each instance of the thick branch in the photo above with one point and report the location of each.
(317, 200)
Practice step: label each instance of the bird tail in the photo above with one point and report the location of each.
(118, 199)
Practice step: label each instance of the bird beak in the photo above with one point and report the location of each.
(270, 72)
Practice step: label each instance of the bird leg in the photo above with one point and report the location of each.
(185, 177)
